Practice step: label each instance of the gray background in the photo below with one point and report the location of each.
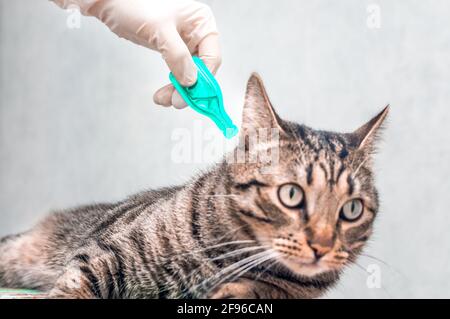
(78, 124)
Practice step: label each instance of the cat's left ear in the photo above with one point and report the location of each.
(364, 138)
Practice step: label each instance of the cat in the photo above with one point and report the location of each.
(232, 232)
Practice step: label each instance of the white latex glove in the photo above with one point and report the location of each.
(177, 29)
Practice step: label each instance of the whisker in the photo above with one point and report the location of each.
(238, 251)
(381, 286)
(375, 258)
(384, 263)
(249, 266)
(230, 268)
(362, 268)
(226, 255)
(222, 195)
(220, 244)
(237, 273)
(273, 262)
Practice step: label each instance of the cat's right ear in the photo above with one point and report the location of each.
(258, 111)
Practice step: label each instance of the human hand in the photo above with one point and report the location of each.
(177, 29)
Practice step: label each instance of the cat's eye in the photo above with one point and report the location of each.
(352, 210)
(291, 195)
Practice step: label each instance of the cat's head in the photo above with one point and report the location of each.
(314, 205)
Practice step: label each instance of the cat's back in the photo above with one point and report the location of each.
(54, 241)
(74, 226)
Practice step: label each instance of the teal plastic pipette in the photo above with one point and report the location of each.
(205, 97)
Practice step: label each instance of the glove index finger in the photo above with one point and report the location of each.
(177, 56)
(209, 52)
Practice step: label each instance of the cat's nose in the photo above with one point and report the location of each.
(319, 250)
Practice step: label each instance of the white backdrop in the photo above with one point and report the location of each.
(77, 121)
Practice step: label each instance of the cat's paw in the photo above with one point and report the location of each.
(73, 294)
(235, 290)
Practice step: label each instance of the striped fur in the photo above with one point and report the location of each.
(225, 234)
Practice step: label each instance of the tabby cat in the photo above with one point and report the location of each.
(232, 232)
